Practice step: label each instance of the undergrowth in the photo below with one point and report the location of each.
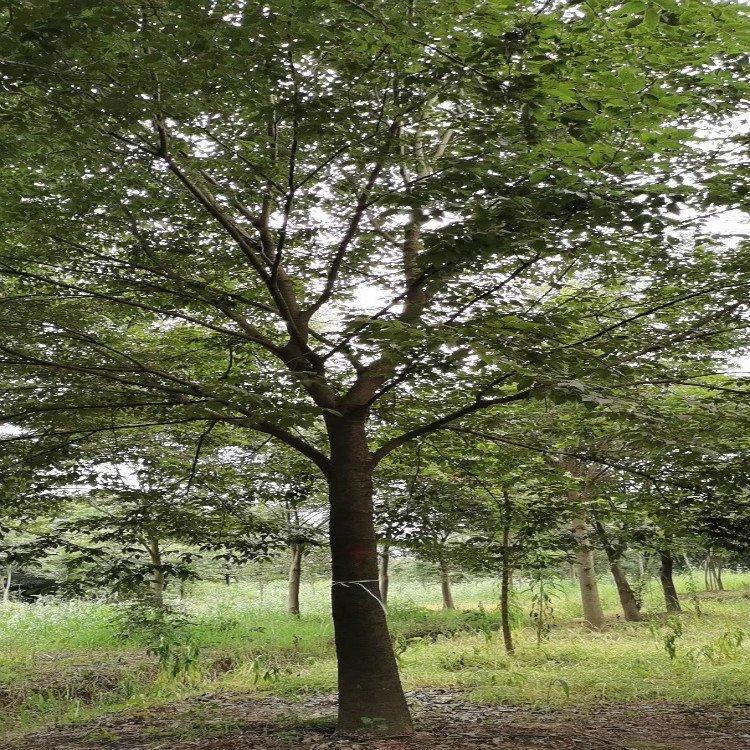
(67, 661)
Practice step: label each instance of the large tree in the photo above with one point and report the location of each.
(296, 216)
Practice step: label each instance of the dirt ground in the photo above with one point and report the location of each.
(444, 720)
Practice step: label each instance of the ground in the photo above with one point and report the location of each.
(444, 719)
(72, 679)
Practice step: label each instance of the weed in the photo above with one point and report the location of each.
(727, 647)
(669, 634)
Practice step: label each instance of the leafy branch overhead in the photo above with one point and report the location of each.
(208, 224)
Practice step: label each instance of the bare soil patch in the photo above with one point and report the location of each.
(444, 720)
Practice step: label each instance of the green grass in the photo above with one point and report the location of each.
(67, 661)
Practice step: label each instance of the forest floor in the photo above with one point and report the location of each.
(72, 679)
(444, 720)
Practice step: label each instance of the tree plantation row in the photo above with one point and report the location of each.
(134, 521)
(461, 280)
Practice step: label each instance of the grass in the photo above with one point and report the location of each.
(69, 661)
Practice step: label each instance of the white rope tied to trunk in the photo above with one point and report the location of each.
(361, 584)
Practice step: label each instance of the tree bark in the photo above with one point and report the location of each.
(7, 582)
(445, 585)
(506, 575)
(505, 581)
(630, 608)
(370, 692)
(383, 576)
(666, 570)
(708, 572)
(295, 576)
(592, 605)
(628, 601)
(157, 577)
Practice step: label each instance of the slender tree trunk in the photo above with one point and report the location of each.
(712, 572)
(628, 601)
(719, 569)
(506, 577)
(445, 585)
(370, 692)
(157, 577)
(630, 609)
(383, 577)
(295, 576)
(666, 570)
(7, 582)
(592, 605)
(706, 574)
(505, 585)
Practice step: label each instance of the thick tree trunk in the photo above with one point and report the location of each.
(8, 580)
(445, 585)
(295, 576)
(592, 605)
(383, 577)
(666, 571)
(370, 692)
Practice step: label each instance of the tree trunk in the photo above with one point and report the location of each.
(506, 577)
(718, 570)
(383, 577)
(370, 692)
(628, 601)
(707, 581)
(7, 582)
(666, 570)
(592, 605)
(445, 585)
(505, 581)
(157, 577)
(295, 576)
